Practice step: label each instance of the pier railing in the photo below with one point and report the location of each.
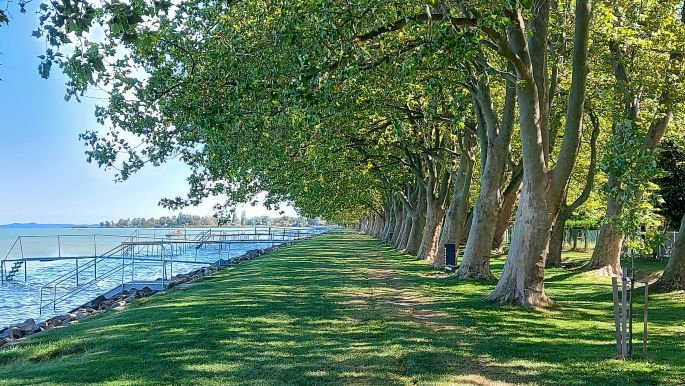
(125, 251)
(50, 289)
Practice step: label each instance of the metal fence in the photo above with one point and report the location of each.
(576, 239)
(584, 240)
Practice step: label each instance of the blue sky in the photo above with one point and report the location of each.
(44, 176)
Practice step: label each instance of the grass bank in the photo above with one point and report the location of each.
(346, 309)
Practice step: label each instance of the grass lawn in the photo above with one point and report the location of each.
(346, 309)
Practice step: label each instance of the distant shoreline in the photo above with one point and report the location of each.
(86, 226)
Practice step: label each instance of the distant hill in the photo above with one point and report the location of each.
(37, 225)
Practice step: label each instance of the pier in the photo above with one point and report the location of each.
(123, 253)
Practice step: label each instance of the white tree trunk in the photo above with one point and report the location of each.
(522, 279)
(606, 257)
(418, 221)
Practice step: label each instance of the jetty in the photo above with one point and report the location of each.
(123, 253)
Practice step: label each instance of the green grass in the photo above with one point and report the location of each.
(346, 309)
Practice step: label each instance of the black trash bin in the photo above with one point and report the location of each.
(450, 256)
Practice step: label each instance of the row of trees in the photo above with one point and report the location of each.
(423, 122)
(162, 222)
(210, 221)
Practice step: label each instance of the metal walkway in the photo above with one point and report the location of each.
(137, 248)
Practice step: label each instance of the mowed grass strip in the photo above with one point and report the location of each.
(346, 309)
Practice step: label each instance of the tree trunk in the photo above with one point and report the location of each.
(401, 239)
(476, 261)
(431, 227)
(377, 226)
(522, 279)
(673, 277)
(406, 228)
(399, 222)
(431, 233)
(391, 219)
(606, 258)
(506, 210)
(565, 211)
(457, 211)
(467, 229)
(556, 242)
(418, 221)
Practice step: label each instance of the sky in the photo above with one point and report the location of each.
(44, 176)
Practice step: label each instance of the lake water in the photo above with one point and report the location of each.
(20, 297)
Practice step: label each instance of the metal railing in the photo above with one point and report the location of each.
(135, 247)
(74, 274)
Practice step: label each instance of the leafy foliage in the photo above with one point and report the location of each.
(671, 159)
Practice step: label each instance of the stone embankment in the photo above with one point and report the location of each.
(14, 333)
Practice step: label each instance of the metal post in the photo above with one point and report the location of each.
(21, 247)
(2, 272)
(59, 247)
(77, 272)
(123, 254)
(95, 259)
(25, 264)
(161, 256)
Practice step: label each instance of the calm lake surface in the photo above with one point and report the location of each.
(20, 299)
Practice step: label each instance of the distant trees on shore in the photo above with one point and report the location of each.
(209, 221)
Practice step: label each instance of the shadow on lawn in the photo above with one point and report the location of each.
(341, 309)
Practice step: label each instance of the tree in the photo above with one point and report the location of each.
(566, 209)
(673, 277)
(522, 279)
(647, 72)
(495, 135)
(671, 159)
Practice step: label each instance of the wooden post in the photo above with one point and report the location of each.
(617, 324)
(630, 311)
(624, 313)
(644, 320)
